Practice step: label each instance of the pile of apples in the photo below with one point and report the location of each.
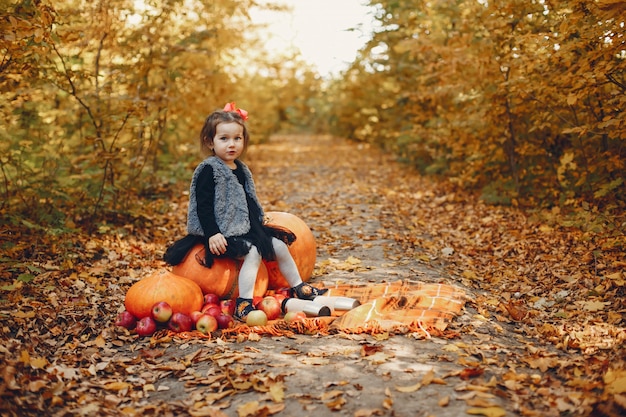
(215, 314)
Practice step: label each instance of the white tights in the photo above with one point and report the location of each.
(252, 262)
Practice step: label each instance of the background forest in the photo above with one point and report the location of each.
(522, 101)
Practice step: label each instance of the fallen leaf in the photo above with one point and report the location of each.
(368, 350)
(35, 386)
(206, 411)
(428, 377)
(595, 305)
(248, 409)
(277, 391)
(363, 412)
(615, 381)
(410, 388)
(487, 412)
(117, 386)
(468, 373)
(330, 394)
(388, 403)
(38, 363)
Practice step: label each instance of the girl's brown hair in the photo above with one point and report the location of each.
(210, 126)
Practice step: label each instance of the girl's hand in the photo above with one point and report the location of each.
(217, 244)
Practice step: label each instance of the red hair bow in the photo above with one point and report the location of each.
(231, 107)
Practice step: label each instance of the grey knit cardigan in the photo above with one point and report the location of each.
(231, 208)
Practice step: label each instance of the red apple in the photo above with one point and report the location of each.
(195, 315)
(256, 318)
(225, 321)
(206, 324)
(212, 310)
(280, 298)
(206, 306)
(126, 319)
(284, 291)
(211, 298)
(294, 316)
(270, 306)
(146, 326)
(228, 306)
(161, 312)
(180, 322)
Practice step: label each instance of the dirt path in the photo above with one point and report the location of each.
(340, 189)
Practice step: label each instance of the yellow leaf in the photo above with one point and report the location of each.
(117, 386)
(248, 409)
(254, 337)
(381, 336)
(336, 404)
(428, 378)
(410, 388)
(206, 411)
(443, 402)
(545, 229)
(615, 381)
(450, 348)
(423, 257)
(594, 305)
(100, 342)
(487, 412)
(24, 315)
(571, 99)
(25, 357)
(365, 412)
(331, 394)
(277, 392)
(617, 278)
(38, 363)
(351, 260)
(470, 274)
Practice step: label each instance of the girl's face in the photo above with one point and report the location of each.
(228, 143)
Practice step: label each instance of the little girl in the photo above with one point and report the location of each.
(225, 214)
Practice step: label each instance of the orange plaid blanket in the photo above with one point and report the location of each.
(396, 307)
(400, 305)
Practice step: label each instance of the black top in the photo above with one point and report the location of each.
(238, 246)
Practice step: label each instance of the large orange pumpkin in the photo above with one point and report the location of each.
(181, 293)
(303, 250)
(221, 278)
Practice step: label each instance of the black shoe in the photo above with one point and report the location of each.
(243, 307)
(306, 291)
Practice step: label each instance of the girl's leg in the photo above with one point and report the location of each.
(248, 272)
(246, 281)
(286, 264)
(289, 269)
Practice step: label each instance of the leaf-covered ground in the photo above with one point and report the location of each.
(542, 336)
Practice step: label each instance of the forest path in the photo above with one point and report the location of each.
(341, 189)
(375, 221)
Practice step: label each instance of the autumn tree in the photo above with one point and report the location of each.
(521, 100)
(103, 101)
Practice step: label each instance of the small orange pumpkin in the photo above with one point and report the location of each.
(182, 294)
(303, 250)
(221, 278)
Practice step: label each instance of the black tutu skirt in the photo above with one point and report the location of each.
(259, 236)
